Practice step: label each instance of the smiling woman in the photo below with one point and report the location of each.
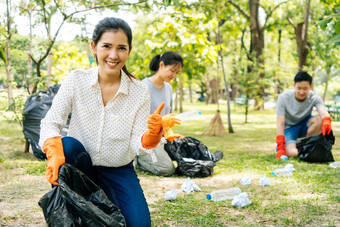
(109, 124)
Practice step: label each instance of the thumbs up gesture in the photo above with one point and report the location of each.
(151, 138)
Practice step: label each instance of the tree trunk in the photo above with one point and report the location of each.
(226, 87)
(276, 80)
(49, 58)
(35, 86)
(235, 74)
(230, 127)
(8, 73)
(8, 56)
(326, 87)
(30, 66)
(301, 34)
(257, 46)
(190, 91)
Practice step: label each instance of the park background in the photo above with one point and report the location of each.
(251, 49)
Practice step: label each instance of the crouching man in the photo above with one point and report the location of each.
(294, 115)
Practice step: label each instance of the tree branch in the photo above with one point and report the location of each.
(52, 41)
(272, 11)
(58, 7)
(243, 46)
(35, 62)
(44, 13)
(239, 9)
(104, 6)
(291, 21)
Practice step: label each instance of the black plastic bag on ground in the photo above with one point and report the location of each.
(35, 109)
(316, 148)
(193, 158)
(78, 201)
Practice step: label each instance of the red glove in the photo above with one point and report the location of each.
(326, 125)
(281, 149)
(151, 138)
(53, 147)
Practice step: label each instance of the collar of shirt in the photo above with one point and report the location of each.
(124, 81)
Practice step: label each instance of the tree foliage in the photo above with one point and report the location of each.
(190, 28)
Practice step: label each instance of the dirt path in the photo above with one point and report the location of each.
(20, 193)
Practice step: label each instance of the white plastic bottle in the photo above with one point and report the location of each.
(189, 115)
(224, 194)
(282, 172)
(284, 158)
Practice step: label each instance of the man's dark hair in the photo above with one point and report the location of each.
(303, 76)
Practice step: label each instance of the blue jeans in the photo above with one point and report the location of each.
(297, 131)
(120, 184)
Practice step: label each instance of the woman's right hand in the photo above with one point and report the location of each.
(152, 137)
(53, 148)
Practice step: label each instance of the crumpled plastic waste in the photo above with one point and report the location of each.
(170, 195)
(189, 186)
(290, 167)
(335, 164)
(245, 180)
(241, 200)
(264, 181)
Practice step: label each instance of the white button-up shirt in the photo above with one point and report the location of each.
(111, 134)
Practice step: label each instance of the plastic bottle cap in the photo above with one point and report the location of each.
(208, 197)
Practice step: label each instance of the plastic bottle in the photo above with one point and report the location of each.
(284, 158)
(189, 115)
(224, 194)
(282, 172)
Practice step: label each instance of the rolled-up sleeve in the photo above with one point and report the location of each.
(56, 117)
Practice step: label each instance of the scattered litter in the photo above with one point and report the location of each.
(189, 186)
(290, 167)
(284, 158)
(335, 164)
(245, 180)
(223, 194)
(264, 181)
(282, 172)
(170, 195)
(241, 200)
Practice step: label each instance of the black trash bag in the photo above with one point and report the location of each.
(78, 201)
(193, 158)
(316, 148)
(35, 109)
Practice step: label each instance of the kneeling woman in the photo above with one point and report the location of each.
(109, 123)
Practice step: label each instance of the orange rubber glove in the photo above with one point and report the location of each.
(53, 147)
(326, 125)
(281, 149)
(151, 138)
(170, 135)
(169, 120)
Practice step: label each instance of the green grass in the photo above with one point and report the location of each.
(309, 198)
